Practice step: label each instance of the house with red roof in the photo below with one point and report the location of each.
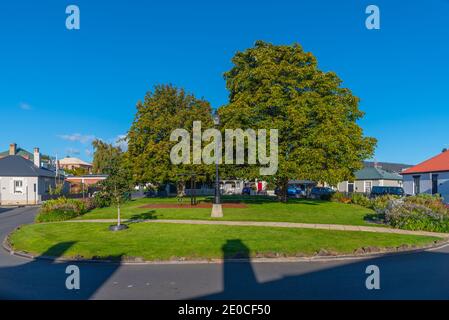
(430, 176)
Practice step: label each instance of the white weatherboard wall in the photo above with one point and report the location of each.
(426, 184)
(28, 196)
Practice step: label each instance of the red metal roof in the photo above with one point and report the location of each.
(435, 164)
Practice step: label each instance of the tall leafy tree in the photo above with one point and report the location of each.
(163, 110)
(104, 153)
(281, 87)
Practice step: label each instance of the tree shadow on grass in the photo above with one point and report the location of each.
(45, 278)
(149, 215)
(263, 200)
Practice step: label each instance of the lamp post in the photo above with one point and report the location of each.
(217, 210)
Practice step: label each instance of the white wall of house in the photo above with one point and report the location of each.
(425, 183)
(23, 190)
(363, 186)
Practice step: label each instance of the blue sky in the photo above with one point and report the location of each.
(61, 88)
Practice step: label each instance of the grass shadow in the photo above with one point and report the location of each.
(149, 215)
(375, 218)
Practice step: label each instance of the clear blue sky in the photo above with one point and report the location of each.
(61, 88)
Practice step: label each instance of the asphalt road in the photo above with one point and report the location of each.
(422, 275)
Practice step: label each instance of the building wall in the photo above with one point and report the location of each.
(426, 184)
(30, 195)
(359, 185)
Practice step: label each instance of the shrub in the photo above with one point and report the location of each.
(102, 200)
(410, 216)
(380, 204)
(340, 197)
(61, 209)
(433, 202)
(361, 200)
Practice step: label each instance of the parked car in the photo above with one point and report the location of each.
(150, 193)
(381, 191)
(321, 192)
(246, 191)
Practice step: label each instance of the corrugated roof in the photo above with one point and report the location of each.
(17, 166)
(372, 173)
(69, 160)
(436, 164)
(19, 152)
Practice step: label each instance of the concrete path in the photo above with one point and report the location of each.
(278, 225)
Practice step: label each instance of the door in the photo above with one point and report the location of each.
(434, 183)
(416, 185)
(368, 186)
(350, 187)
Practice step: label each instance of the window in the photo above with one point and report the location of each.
(434, 183)
(18, 186)
(368, 185)
(416, 184)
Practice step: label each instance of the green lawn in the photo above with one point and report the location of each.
(297, 210)
(161, 241)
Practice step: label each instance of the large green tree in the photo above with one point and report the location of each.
(163, 110)
(281, 87)
(105, 154)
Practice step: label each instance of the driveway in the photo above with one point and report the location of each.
(421, 275)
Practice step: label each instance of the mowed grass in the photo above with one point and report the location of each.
(297, 210)
(163, 241)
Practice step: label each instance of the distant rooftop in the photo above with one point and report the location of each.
(18, 166)
(388, 166)
(73, 161)
(373, 173)
(436, 164)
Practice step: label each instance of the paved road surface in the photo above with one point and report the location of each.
(421, 275)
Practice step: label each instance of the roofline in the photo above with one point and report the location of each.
(422, 172)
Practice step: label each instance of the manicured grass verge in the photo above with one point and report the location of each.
(161, 241)
(303, 211)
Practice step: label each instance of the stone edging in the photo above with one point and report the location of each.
(320, 257)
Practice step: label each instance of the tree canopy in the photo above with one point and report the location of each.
(104, 155)
(163, 110)
(281, 87)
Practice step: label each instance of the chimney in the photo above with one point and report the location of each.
(37, 158)
(12, 149)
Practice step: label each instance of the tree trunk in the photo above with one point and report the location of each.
(283, 186)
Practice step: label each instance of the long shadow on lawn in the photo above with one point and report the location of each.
(263, 200)
(404, 276)
(46, 278)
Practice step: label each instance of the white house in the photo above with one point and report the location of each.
(431, 177)
(369, 177)
(24, 182)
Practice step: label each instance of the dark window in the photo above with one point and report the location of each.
(434, 183)
(416, 184)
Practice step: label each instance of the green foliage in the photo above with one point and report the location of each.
(62, 209)
(361, 200)
(104, 156)
(433, 202)
(412, 216)
(163, 110)
(102, 200)
(281, 87)
(77, 171)
(339, 197)
(115, 188)
(57, 190)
